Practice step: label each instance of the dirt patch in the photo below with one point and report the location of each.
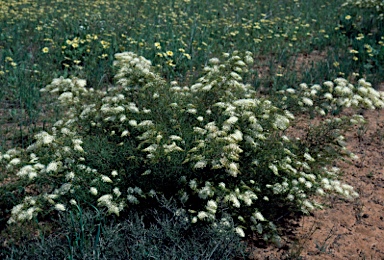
(345, 229)
(354, 230)
(307, 60)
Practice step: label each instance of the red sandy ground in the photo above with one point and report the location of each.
(345, 229)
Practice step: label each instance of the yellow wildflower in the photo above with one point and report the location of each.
(187, 56)
(170, 63)
(105, 44)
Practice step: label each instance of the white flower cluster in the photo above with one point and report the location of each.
(24, 211)
(68, 90)
(59, 161)
(131, 68)
(335, 95)
(107, 201)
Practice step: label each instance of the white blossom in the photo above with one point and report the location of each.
(290, 197)
(60, 207)
(106, 179)
(320, 191)
(105, 199)
(52, 167)
(132, 122)
(240, 231)
(78, 148)
(200, 164)
(117, 192)
(232, 120)
(15, 161)
(307, 101)
(308, 157)
(194, 220)
(259, 216)
(124, 133)
(93, 191)
(25, 170)
(274, 169)
(202, 215)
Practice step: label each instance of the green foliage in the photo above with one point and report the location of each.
(86, 235)
(364, 32)
(214, 146)
(185, 126)
(372, 5)
(56, 38)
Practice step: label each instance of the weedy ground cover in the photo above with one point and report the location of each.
(158, 102)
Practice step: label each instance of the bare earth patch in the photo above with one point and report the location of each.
(344, 229)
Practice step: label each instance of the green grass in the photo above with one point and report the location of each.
(292, 42)
(79, 38)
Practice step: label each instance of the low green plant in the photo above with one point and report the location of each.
(215, 147)
(82, 234)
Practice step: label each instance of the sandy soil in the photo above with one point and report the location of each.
(344, 229)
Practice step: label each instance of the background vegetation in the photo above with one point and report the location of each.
(291, 42)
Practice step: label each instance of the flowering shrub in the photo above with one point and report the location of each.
(215, 146)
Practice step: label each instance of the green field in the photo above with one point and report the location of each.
(274, 46)
(41, 41)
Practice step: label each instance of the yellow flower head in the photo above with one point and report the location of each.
(187, 56)
(170, 63)
(105, 44)
(45, 50)
(169, 53)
